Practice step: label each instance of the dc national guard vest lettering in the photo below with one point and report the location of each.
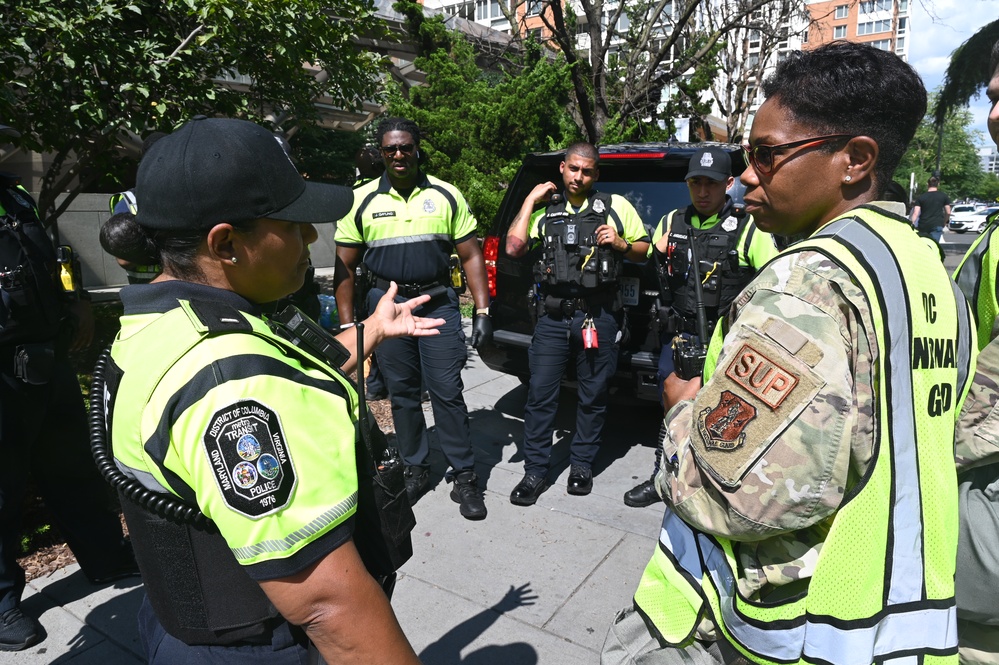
(198, 588)
(883, 584)
(572, 262)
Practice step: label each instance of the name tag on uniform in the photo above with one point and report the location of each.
(380, 215)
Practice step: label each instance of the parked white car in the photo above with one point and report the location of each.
(973, 222)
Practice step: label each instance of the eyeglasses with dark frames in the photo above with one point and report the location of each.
(404, 148)
(761, 157)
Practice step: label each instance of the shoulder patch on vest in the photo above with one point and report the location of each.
(246, 447)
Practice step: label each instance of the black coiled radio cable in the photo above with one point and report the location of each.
(167, 506)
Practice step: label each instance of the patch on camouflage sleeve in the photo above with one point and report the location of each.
(758, 392)
(762, 376)
(724, 426)
(246, 448)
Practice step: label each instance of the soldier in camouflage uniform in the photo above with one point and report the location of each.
(765, 466)
(977, 582)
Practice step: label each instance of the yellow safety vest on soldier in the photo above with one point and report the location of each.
(877, 575)
(978, 277)
(227, 422)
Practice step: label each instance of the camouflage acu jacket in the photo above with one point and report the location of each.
(801, 308)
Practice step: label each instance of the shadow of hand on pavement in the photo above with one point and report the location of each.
(447, 650)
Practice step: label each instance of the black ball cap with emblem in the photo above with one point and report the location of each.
(712, 163)
(215, 170)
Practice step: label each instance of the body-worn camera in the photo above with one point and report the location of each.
(688, 357)
(571, 235)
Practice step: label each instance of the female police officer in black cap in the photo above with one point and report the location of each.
(207, 404)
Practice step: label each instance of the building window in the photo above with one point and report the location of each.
(869, 6)
(804, 36)
(487, 9)
(903, 23)
(839, 32)
(754, 39)
(465, 10)
(900, 43)
(883, 44)
(903, 6)
(534, 7)
(872, 27)
(842, 11)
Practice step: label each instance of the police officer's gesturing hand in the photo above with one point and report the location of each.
(482, 330)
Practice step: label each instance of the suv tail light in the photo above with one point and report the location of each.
(490, 252)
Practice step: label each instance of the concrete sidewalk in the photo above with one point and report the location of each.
(525, 586)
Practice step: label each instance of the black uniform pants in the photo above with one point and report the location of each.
(409, 363)
(43, 432)
(555, 341)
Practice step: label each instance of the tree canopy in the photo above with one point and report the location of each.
(480, 119)
(81, 80)
(961, 174)
(627, 54)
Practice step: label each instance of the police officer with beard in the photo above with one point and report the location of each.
(585, 236)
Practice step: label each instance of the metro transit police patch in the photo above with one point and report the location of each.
(250, 460)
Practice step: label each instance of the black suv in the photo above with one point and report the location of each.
(651, 177)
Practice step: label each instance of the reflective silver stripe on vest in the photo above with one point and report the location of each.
(906, 558)
(408, 240)
(963, 342)
(902, 628)
(678, 537)
(970, 274)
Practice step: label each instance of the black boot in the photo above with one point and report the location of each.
(466, 493)
(643, 494)
(417, 482)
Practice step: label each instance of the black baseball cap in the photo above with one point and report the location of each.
(213, 170)
(712, 163)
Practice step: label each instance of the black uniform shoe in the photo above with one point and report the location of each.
(466, 492)
(18, 631)
(528, 490)
(580, 480)
(643, 494)
(417, 482)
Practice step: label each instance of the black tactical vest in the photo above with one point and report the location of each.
(721, 275)
(31, 307)
(572, 264)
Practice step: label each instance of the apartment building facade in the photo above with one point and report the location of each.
(884, 24)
